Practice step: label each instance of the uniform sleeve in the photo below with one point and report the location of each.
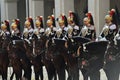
(8, 33)
(65, 29)
(76, 27)
(113, 27)
(76, 30)
(31, 31)
(18, 33)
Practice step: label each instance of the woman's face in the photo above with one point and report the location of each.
(14, 27)
(27, 24)
(86, 21)
(49, 23)
(61, 22)
(3, 27)
(70, 20)
(108, 18)
(37, 23)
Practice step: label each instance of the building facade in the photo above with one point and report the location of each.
(12, 9)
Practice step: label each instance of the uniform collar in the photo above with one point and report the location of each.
(62, 27)
(89, 25)
(39, 27)
(109, 24)
(29, 27)
(15, 29)
(51, 27)
(73, 24)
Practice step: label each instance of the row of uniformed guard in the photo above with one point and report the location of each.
(68, 27)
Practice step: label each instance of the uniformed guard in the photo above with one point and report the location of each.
(73, 21)
(110, 28)
(51, 29)
(39, 26)
(5, 29)
(28, 29)
(88, 30)
(62, 21)
(15, 28)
